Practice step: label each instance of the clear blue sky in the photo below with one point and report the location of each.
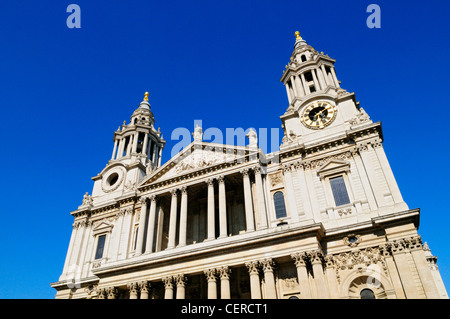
(64, 91)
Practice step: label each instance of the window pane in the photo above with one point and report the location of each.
(367, 294)
(136, 238)
(339, 191)
(280, 208)
(100, 246)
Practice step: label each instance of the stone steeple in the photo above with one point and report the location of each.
(137, 151)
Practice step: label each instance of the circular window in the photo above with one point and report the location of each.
(352, 239)
(112, 179)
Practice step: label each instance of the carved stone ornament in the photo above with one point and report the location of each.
(130, 186)
(276, 179)
(371, 256)
(361, 117)
(253, 267)
(352, 240)
(198, 133)
(224, 272)
(210, 274)
(87, 200)
(168, 282)
(313, 164)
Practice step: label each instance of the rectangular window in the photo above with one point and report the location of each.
(100, 247)
(136, 238)
(339, 191)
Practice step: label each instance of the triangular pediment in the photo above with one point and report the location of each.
(333, 166)
(199, 156)
(102, 227)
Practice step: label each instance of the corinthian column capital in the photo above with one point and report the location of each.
(253, 267)
(267, 264)
(210, 274)
(224, 272)
(168, 282)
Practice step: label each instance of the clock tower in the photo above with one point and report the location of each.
(316, 99)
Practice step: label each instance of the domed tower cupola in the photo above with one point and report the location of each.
(308, 73)
(137, 152)
(302, 51)
(139, 140)
(143, 114)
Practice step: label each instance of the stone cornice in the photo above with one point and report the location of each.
(244, 241)
(304, 66)
(345, 142)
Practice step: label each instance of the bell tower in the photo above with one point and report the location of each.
(137, 151)
(318, 107)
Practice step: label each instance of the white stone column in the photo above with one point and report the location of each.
(133, 287)
(392, 270)
(141, 229)
(324, 72)
(144, 146)
(288, 93)
(293, 87)
(305, 85)
(365, 181)
(368, 156)
(269, 278)
(183, 217)
(249, 218)
(400, 255)
(151, 225)
(224, 273)
(71, 248)
(120, 149)
(125, 232)
(260, 199)
(111, 292)
(211, 211)
(114, 150)
(321, 78)
(290, 198)
(181, 286)
(319, 277)
(418, 255)
(390, 179)
(302, 275)
(130, 144)
(135, 141)
(316, 82)
(333, 73)
(299, 86)
(222, 208)
(159, 155)
(255, 285)
(144, 288)
(168, 287)
(330, 275)
(212, 283)
(173, 220)
(304, 192)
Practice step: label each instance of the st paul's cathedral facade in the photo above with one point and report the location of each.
(323, 217)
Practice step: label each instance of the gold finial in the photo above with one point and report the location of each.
(146, 96)
(297, 35)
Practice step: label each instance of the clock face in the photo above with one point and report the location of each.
(318, 115)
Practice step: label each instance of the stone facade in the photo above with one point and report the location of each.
(321, 218)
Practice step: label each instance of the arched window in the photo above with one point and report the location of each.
(303, 58)
(280, 208)
(367, 294)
